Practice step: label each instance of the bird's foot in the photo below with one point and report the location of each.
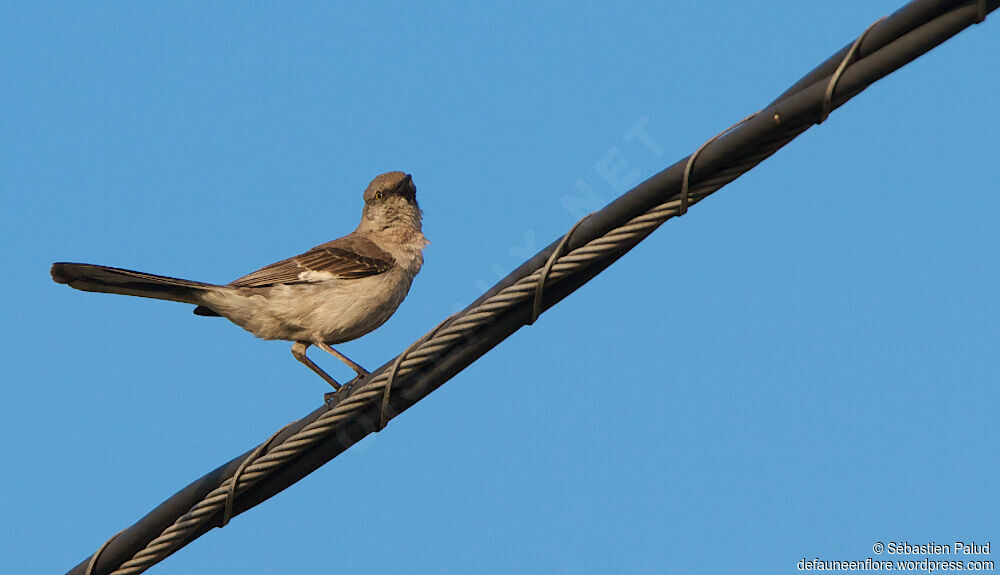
(361, 375)
(333, 397)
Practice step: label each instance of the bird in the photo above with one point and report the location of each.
(335, 292)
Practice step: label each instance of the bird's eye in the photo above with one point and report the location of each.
(379, 196)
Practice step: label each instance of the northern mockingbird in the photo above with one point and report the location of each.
(335, 292)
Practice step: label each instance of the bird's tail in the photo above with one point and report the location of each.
(103, 279)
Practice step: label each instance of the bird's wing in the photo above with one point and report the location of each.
(350, 257)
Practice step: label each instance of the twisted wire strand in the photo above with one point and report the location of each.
(848, 59)
(92, 564)
(383, 415)
(227, 506)
(536, 305)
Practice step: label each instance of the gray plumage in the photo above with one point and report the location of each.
(332, 293)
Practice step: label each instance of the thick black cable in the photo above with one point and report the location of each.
(911, 16)
(923, 24)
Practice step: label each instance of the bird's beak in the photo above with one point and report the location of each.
(405, 186)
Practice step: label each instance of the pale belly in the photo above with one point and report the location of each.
(331, 311)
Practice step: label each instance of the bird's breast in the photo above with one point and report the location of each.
(329, 310)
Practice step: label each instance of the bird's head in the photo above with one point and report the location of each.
(391, 205)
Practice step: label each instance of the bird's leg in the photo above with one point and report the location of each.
(299, 351)
(357, 368)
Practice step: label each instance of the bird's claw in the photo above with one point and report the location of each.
(333, 397)
(361, 375)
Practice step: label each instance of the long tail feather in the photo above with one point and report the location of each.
(88, 277)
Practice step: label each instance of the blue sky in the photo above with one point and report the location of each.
(803, 365)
